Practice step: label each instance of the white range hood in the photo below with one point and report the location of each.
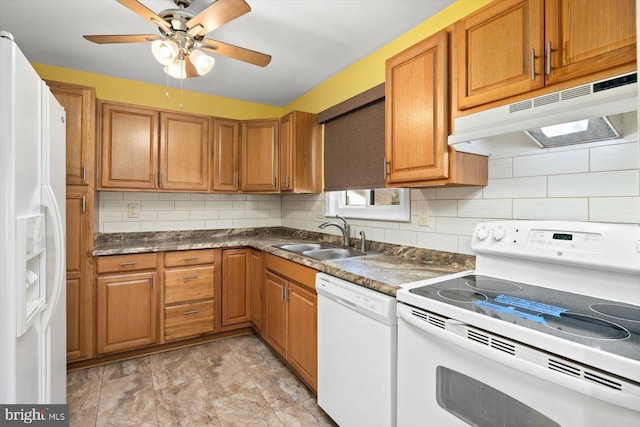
(603, 100)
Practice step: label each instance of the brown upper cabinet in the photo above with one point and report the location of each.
(417, 121)
(511, 47)
(79, 103)
(226, 157)
(300, 153)
(416, 112)
(146, 149)
(259, 156)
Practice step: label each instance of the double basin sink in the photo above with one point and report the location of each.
(321, 251)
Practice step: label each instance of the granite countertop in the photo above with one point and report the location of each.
(385, 269)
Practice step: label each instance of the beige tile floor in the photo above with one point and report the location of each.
(230, 382)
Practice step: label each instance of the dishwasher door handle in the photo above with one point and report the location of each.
(345, 303)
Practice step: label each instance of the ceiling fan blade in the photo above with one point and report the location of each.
(235, 52)
(218, 14)
(122, 38)
(189, 68)
(146, 13)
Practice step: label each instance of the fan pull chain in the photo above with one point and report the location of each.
(166, 94)
(181, 80)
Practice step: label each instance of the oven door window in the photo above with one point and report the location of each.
(479, 404)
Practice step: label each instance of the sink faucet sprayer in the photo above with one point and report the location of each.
(345, 229)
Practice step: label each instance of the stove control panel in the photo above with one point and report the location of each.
(552, 239)
(611, 246)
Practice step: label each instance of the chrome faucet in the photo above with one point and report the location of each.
(345, 229)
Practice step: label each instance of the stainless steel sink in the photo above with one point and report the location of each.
(302, 247)
(321, 251)
(333, 253)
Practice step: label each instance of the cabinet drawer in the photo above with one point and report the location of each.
(183, 258)
(115, 263)
(188, 319)
(187, 284)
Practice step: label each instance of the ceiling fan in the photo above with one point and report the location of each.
(182, 36)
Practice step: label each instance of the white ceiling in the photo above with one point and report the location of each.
(309, 40)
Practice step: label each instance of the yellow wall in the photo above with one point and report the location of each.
(369, 71)
(358, 77)
(134, 92)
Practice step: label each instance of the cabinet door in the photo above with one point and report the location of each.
(79, 321)
(256, 276)
(500, 51)
(127, 312)
(235, 286)
(588, 36)
(259, 156)
(287, 124)
(129, 148)
(184, 152)
(275, 313)
(302, 351)
(226, 158)
(300, 153)
(79, 105)
(416, 112)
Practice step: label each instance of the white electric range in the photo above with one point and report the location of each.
(544, 332)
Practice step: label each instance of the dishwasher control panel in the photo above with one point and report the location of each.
(370, 303)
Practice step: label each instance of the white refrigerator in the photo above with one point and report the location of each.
(32, 235)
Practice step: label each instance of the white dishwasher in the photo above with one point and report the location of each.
(357, 343)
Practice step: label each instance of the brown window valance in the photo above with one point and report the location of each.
(354, 142)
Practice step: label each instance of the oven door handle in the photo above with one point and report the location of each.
(617, 397)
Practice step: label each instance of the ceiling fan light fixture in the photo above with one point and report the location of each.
(201, 61)
(176, 69)
(165, 51)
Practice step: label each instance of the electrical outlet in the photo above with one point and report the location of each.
(423, 215)
(133, 210)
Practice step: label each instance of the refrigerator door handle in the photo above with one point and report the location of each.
(50, 202)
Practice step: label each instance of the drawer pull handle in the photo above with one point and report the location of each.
(190, 277)
(191, 258)
(128, 264)
(186, 313)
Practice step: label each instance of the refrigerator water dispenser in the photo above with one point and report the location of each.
(30, 251)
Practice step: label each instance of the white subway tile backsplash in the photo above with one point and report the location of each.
(158, 205)
(596, 183)
(438, 242)
(191, 205)
(447, 225)
(204, 215)
(551, 163)
(483, 208)
(614, 157)
(616, 183)
(457, 193)
(615, 209)
(189, 225)
(218, 205)
(173, 215)
(500, 168)
(569, 209)
(174, 196)
(398, 237)
(139, 195)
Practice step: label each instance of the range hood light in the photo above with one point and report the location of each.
(565, 128)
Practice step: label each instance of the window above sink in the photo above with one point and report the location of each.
(384, 204)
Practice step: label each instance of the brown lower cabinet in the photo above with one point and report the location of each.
(127, 302)
(290, 315)
(198, 293)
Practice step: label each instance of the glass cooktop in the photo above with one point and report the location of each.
(609, 325)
